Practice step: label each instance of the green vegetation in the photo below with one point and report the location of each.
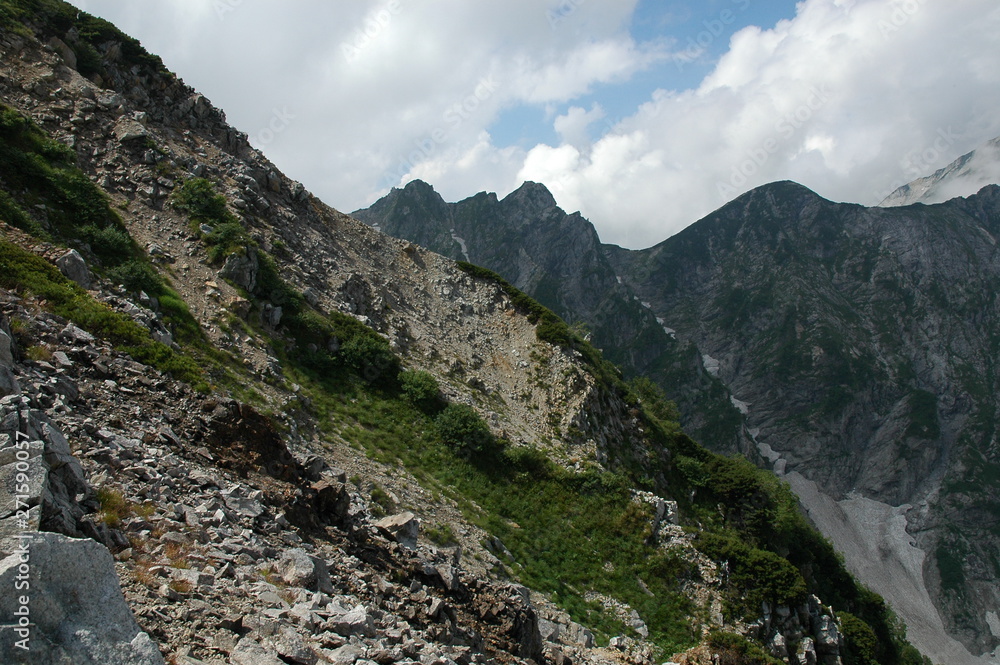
(22, 271)
(59, 19)
(421, 389)
(863, 645)
(735, 649)
(923, 416)
(461, 427)
(441, 535)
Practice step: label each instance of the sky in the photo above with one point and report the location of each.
(644, 115)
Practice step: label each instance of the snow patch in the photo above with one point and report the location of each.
(461, 243)
(993, 621)
(711, 364)
(740, 405)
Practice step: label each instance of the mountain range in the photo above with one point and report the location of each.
(850, 349)
(244, 428)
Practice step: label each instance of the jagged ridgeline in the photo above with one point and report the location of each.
(281, 339)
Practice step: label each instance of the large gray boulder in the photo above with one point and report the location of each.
(75, 612)
(403, 528)
(74, 267)
(34, 455)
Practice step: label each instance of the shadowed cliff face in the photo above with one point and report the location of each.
(859, 343)
(864, 343)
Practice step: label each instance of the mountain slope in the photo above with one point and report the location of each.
(859, 343)
(864, 343)
(558, 259)
(963, 177)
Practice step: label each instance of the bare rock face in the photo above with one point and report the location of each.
(242, 269)
(32, 445)
(75, 611)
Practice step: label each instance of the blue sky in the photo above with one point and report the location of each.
(644, 115)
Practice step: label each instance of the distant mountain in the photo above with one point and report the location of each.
(963, 177)
(860, 345)
(558, 258)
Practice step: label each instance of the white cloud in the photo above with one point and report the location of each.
(574, 126)
(849, 97)
(844, 102)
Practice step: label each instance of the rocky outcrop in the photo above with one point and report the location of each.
(72, 606)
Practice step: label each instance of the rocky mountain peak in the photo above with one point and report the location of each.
(532, 197)
(963, 177)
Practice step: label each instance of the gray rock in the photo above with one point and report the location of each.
(76, 608)
(355, 622)
(6, 350)
(290, 646)
(16, 477)
(74, 267)
(242, 269)
(346, 655)
(76, 335)
(66, 480)
(827, 636)
(129, 129)
(296, 568)
(249, 652)
(8, 382)
(403, 528)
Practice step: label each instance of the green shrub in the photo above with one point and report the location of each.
(862, 644)
(461, 427)
(734, 649)
(654, 400)
(442, 535)
(136, 275)
(693, 471)
(198, 199)
(226, 238)
(420, 388)
(756, 575)
(370, 356)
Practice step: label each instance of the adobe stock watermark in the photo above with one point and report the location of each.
(453, 117)
(921, 163)
(279, 122)
(21, 624)
(784, 129)
(223, 7)
(902, 12)
(556, 15)
(714, 28)
(374, 25)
